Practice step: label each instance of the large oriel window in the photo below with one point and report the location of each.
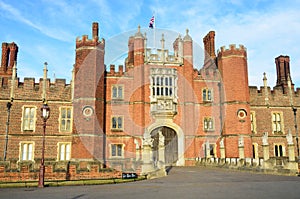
(163, 83)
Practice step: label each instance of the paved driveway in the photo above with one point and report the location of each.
(182, 182)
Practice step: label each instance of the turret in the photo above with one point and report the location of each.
(89, 97)
(138, 48)
(232, 64)
(84, 46)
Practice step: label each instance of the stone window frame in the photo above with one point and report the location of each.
(253, 121)
(117, 128)
(255, 150)
(282, 148)
(116, 152)
(158, 84)
(205, 94)
(67, 155)
(208, 119)
(212, 148)
(70, 119)
(23, 123)
(21, 151)
(277, 122)
(115, 88)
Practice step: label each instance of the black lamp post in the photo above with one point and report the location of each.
(296, 129)
(8, 105)
(45, 114)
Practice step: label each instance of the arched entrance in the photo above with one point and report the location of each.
(170, 142)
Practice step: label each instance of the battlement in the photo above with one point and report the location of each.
(85, 41)
(272, 97)
(232, 51)
(31, 90)
(113, 72)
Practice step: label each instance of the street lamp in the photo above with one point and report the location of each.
(296, 129)
(45, 114)
(8, 106)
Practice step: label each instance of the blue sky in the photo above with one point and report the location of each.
(46, 30)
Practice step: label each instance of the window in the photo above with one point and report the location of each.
(208, 124)
(276, 123)
(253, 122)
(116, 150)
(64, 151)
(117, 123)
(163, 82)
(65, 119)
(278, 150)
(212, 150)
(255, 150)
(207, 94)
(28, 119)
(26, 151)
(117, 91)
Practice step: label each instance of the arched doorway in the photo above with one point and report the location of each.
(170, 143)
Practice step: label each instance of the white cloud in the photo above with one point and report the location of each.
(52, 32)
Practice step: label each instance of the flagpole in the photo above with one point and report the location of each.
(154, 27)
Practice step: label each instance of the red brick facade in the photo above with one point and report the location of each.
(113, 111)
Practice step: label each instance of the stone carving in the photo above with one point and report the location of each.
(147, 139)
(265, 138)
(164, 104)
(241, 141)
(289, 138)
(161, 138)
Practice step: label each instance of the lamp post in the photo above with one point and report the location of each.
(296, 129)
(8, 106)
(45, 114)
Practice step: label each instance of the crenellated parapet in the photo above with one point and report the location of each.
(84, 41)
(232, 51)
(266, 96)
(113, 71)
(29, 89)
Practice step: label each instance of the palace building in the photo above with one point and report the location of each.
(156, 110)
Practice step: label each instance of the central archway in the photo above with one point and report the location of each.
(179, 133)
(170, 142)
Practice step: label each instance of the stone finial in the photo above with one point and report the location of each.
(44, 82)
(162, 41)
(187, 37)
(265, 80)
(139, 34)
(13, 78)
